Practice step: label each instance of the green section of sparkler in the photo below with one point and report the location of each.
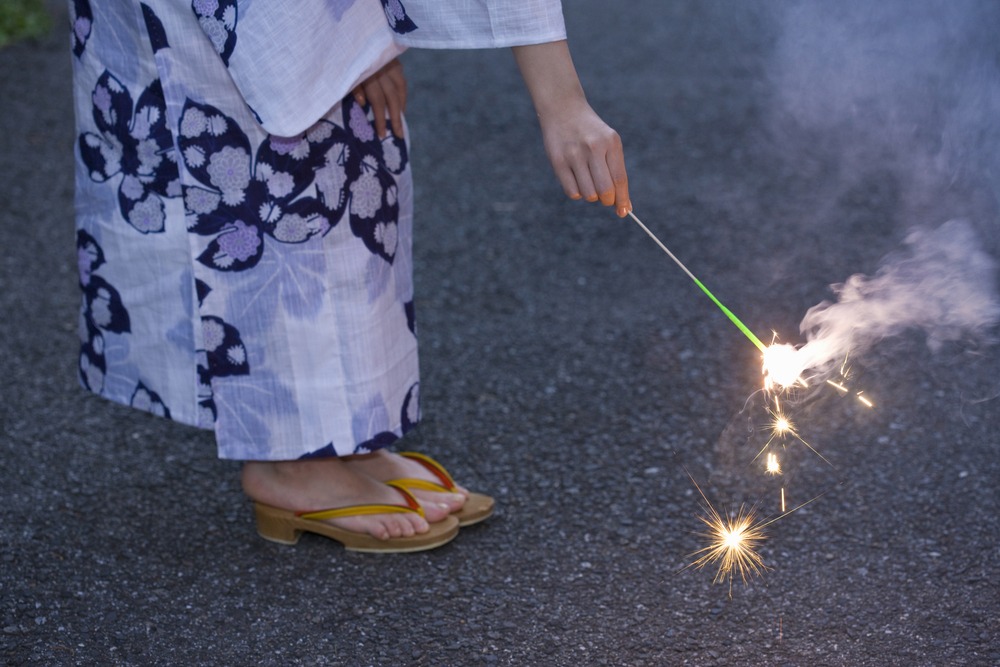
(732, 318)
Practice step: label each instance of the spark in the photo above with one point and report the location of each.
(844, 368)
(844, 390)
(733, 540)
(732, 545)
(773, 465)
(837, 386)
(781, 425)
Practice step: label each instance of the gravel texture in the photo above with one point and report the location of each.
(570, 370)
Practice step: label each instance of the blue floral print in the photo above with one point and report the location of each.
(146, 399)
(138, 146)
(242, 197)
(224, 354)
(372, 416)
(154, 29)
(396, 14)
(83, 23)
(360, 174)
(411, 408)
(102, 310)
(218, 20)
(411, 317)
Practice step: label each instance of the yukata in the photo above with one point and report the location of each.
(244, 237)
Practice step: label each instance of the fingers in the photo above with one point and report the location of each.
(396, 82)
(597, 174)
(377, 100)
(619, 180)
(396, 101)
(385, 91)
(359, 95)
(607, 169)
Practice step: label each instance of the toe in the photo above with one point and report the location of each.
(420, 525)
(434, 511)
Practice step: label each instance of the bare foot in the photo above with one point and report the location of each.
(317, 484)
(384, 465)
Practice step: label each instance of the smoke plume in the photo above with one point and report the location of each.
(911, 89)
(942, 284)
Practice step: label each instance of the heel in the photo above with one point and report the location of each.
(276, 525)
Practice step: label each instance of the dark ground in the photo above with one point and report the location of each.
(569, 369)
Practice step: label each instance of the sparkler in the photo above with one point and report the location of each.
(733, 540)
(782, 364)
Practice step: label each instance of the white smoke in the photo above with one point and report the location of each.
(908, 87)
(907, 91)
(944, 284)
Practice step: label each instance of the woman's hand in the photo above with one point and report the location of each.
(385, 90)
(586, 154)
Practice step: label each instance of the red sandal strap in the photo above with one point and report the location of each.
(412, 506)
(436, 469)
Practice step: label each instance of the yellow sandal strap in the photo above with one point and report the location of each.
(370, 508)
(421, 484)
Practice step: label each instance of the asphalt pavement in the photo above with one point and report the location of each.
(571, 370)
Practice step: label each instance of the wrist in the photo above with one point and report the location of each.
(550, 77)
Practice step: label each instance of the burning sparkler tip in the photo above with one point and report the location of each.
(782, 366)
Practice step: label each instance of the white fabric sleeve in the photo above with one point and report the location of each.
(480, 24)
(294, 61)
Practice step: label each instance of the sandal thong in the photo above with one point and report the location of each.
(286, 527)
(478, 506)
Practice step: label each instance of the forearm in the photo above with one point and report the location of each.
(550, 76)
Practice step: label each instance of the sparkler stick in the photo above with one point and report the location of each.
(735, 320)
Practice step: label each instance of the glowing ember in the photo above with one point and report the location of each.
(782, 367)
(733, 541)
(732, 545)
(773, 465)
(837, 386)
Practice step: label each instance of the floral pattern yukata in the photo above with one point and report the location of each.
(243, 235)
